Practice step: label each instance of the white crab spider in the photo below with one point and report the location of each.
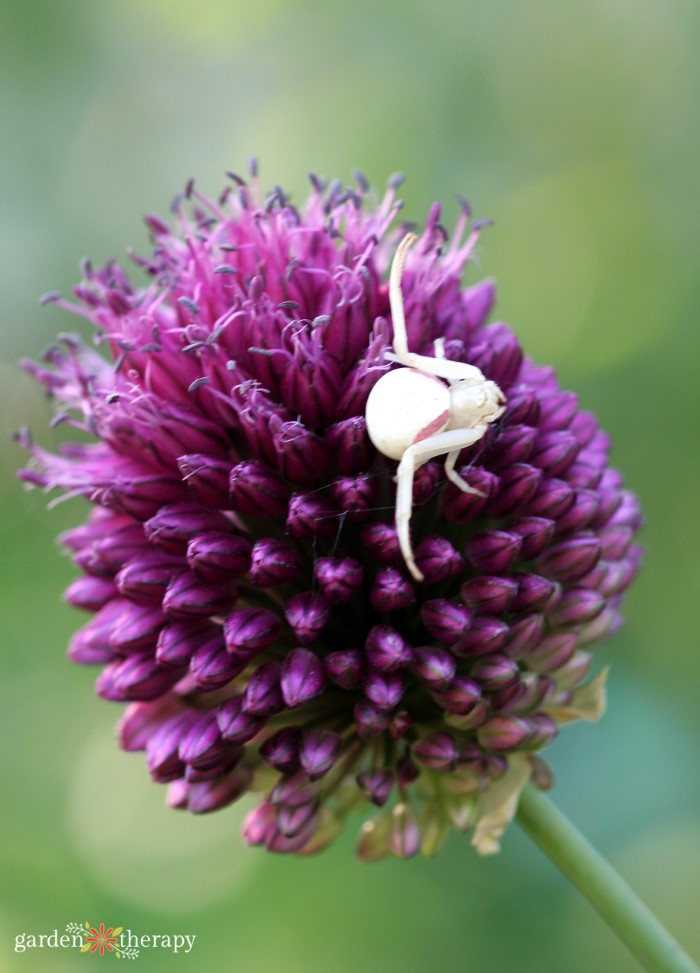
(413, 416)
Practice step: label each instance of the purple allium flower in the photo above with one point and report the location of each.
(248, 594)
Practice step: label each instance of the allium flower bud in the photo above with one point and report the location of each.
(339, 580)
(386, 649)
(434, 667)
(242, 562)
(376, 785)
(345, 667)
(318, 752)
(216, 556)
(235, 724)
(385, 689)
(281, 750)
(390, 590)
(437, 750)
(273, 562)
(248, 631)
(301, 677)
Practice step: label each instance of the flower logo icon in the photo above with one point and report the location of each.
(102, 939)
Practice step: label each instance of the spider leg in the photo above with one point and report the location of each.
(398, 318)
(440, 366)
(451, 441)
(453, 476)
(452, 371)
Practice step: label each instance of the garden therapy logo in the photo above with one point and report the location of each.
(103, 940)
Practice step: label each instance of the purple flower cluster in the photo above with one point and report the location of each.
(241, 565)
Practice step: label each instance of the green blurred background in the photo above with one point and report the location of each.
(575, 127)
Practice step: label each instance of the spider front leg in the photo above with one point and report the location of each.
(454, 476)
(439, 366)
(451, 442)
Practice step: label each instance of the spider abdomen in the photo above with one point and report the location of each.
(404, 407)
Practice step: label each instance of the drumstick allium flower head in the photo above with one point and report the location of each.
(241, 566)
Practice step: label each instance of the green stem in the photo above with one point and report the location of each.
(607, 892)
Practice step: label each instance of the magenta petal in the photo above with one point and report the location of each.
(301, 677)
